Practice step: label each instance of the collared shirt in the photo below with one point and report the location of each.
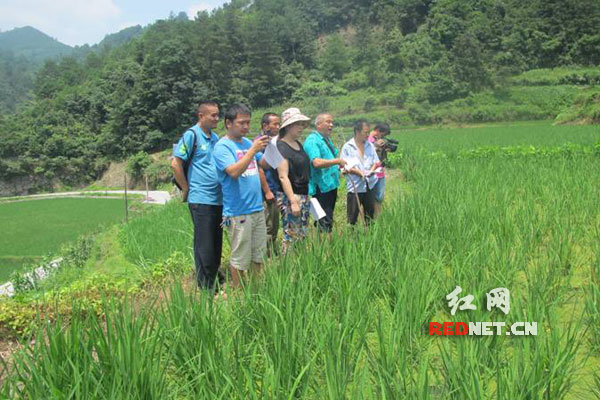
(201, 175)
(242, 195)
(326, 179)
(353, 158)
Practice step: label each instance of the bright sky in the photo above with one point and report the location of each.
(76, 22)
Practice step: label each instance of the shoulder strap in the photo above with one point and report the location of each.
(328, 145)
(193, 146)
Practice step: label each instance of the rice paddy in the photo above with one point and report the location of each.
(347, 317)
(36, 228)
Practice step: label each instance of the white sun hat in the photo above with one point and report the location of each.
(292, 115)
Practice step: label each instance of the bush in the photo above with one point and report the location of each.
(313, 89)
(137, 164)
(354, 80)
(420, 113)
(77, 253)
(369, 104)
(159, 172)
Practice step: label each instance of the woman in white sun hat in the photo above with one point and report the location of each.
(294, 173)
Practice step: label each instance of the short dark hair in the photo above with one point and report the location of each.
(383, 128)
(206, 103)
(236, 109)
(358, 125)
(266, 118)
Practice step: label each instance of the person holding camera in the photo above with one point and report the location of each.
(382, 147)
(237, 160)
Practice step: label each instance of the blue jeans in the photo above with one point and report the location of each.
(379, 190)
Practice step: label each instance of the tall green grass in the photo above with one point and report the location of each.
(347, 317)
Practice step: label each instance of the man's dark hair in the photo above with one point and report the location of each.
(206, 103)
(383, 128)
(266, 119)
(359, 124)
(236, 109)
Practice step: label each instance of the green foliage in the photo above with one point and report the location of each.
(558, 76)
(137, 164)
(138, 90)
(586, 109)
(16, 80)
(73, 255)
(32, 44)
(77, 253)
(516, 211)
(63, 221)
(159, 172)
(334, 60)
(312, 89)
(313, 327)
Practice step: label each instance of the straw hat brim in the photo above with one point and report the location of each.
(293, 119)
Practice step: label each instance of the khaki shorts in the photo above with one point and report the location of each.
(248, 239)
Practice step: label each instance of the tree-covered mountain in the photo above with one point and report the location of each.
(32, 44)
(109, 42)
(23, 51)
(140, 95)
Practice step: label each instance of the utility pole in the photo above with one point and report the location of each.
(126, 207)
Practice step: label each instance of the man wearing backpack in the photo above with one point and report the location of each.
(195, 173)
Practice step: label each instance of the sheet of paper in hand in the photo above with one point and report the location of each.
(272, 155)
(316, 210)
(351, 163)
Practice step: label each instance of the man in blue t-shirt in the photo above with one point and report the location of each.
(202, 190)
(237, 161)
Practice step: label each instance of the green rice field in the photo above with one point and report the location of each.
(36, 228)
(347, 317)
(452, 140)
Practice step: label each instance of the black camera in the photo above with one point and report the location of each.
(390, 145)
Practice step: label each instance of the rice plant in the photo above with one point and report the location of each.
(347, 317)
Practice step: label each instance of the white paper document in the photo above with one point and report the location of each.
(272, 155)
(351, 163)
(316, 210)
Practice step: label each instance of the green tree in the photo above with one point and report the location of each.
(334, 59)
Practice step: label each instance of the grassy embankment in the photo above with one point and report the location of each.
(567, 95)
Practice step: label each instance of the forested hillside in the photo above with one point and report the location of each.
(141, 95)
(23, 51)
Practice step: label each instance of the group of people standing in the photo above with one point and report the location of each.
(228, 183)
